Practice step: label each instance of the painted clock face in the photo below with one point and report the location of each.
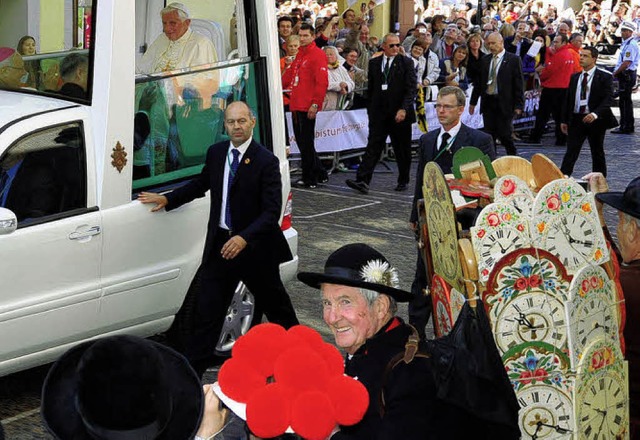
(545, 413)
(443, 317)
(530, 273)
(602, 408)
(591, 311)
(444, 241)
(531, 317)
(571, 238)
(515, 191)
(442, 226)
(566, 224)
(499, 230)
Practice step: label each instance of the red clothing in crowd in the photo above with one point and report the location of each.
(558, 69)
(576, 58)
(307, 77)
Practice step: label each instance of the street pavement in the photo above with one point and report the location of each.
(327, 218)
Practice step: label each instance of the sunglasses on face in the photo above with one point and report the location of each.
(394, 45)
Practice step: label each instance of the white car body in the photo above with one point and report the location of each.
(115, 267)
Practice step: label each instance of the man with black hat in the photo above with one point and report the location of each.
(359, 297)
(628, 205)
(122, 387)
(625, 71)
(414, 392)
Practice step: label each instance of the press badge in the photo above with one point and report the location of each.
(583, 103)
(385, 87)
(295, 81)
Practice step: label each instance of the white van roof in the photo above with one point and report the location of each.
(15, 106)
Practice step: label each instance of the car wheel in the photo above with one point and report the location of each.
(238, 320)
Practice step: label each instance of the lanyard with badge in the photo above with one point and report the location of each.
(446, 147)
(385, 73)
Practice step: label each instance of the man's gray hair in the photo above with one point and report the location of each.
(181, 9)
(372, 295)
(70, 64)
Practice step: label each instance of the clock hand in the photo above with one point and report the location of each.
(538, 428)
(589, 243)
(557, 428)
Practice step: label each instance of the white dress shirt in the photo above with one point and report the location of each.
(225, 179)
(576, 106)
(453, 133)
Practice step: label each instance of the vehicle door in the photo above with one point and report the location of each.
(50, 265)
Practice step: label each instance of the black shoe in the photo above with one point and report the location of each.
(323, 179)
(621, 131)
(401, 187)
(358, 186)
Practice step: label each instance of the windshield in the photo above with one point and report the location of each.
(45, 45)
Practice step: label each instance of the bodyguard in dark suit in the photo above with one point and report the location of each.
(439, 146)
(502, 90)
(391, 91)
(244, 241)
(587, 112)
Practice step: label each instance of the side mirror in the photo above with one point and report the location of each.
(8, 221)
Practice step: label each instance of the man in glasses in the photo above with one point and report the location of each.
(439, 145)
(391, 90)
(11, 68)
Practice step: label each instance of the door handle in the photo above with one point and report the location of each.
(78, 235)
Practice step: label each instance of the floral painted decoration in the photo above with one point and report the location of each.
(537, 363)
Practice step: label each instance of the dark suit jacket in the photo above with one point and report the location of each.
(256, 200)
(510, 84)
(401, 92)
(600, 99)
(467, 137)
(524, 46)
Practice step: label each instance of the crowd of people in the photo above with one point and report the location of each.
(453, 46)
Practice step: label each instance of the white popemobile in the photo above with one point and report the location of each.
(94, 261)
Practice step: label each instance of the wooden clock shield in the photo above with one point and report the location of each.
(442, 226)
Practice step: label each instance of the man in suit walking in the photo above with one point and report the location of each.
(439, 146)
(502, 90)
(391, 91)
(244, 241)
(587, 112)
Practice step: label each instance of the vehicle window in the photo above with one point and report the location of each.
(188, 34)
(45, 47)
(44, 173)
(179, 117)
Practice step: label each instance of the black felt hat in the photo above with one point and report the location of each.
(122, 387)
(627, 201)
(358, 265)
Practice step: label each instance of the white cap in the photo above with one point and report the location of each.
(628, 25)
(178, 6)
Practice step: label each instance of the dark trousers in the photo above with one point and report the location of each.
(626, 82)
(305, 131)
(498, 124)
(578, 133)
(400, 134)
(219, 280)
(551, 102)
